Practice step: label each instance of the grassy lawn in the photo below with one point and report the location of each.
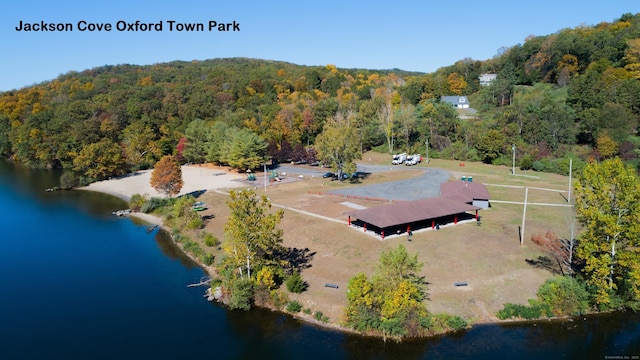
(489, 257)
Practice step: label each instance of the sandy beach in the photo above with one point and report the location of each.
(196, 178)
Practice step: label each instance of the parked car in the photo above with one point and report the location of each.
(328, 175)
(346, 176)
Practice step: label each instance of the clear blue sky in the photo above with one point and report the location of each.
(409, 35)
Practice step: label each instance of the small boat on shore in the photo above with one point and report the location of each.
(122, 212)
(199, 206)
(150, 229)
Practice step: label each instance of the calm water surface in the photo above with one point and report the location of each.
(78, 283)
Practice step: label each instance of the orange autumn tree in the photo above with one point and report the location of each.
(166, 177)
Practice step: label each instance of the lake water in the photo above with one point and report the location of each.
(79, 283)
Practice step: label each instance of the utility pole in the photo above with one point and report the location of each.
(524, 214)
(570, 170)
(426, 143)
(513, 165)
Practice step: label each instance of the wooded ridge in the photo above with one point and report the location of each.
(572, 94)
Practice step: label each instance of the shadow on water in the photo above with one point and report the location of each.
(171, 250)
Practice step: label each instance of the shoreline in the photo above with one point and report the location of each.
(123, 189)
(156, 220)
(210, 271)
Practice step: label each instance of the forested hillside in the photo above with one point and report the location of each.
(575, 93)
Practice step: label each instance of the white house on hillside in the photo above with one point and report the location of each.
(458, 102)
(486, 79)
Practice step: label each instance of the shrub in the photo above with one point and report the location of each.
(153, 204)
(436, 323)
(318, 315)
(306, 311)
(456, 323)
(537, 166)
(279, 299)
(137, 201)
(210, 240)
(68, 180)
(241, 295)
(510, 311)
(267, 276)
(502, 160)
(564, 295)
(195, 223)
(295, 284)
(441, 323)
(526, 163)
(85, 180)
(393, 327)
(192, 247)
(535, 310)
(363, 318)
(294, 306)
(208, 259)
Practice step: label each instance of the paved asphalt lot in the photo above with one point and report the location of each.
(425, 186)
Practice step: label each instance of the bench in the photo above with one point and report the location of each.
(334, 286)
(460, 283)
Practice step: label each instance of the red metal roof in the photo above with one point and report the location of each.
(411, 211)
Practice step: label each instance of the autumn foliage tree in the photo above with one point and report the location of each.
(607, 205)
(391, 301)
(562, 250)
(99, 160)
(338, 145)
(252, 239)
(166, 177)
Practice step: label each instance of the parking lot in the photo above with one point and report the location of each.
(425, 186)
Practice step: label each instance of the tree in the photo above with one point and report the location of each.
(245, 150)
(252, 239)
(386, 121)
(607, 147)
(406, 116)
(456, 83)
(138, 141)
(607, 205)
(197, 134)
(219, 134)
(99, 160)
(167, 176)
(338, 145)
(490, 145)
(396, 266)
(390, 303)
(561, 249)
(632, 57)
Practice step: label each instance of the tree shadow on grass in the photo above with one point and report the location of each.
(544, 262)
(299, 259)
